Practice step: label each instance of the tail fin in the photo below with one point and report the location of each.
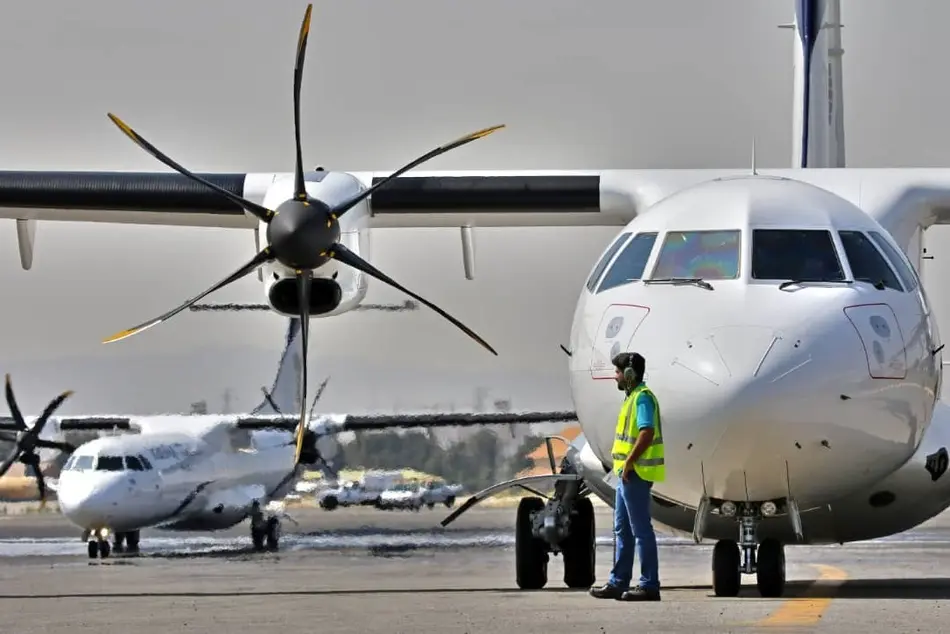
(818, 106)
(285, 392)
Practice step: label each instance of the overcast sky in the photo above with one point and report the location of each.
(594, 84)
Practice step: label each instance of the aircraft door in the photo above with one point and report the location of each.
(617, 328)
(883, 340)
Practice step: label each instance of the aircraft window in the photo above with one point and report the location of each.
(602, 264)
(145, 462)
(867, 263)
(709, 255)
(804, 255)
(83, 463)
(110, 463)
(69, 463)
(133, 463)
(904, 270)
(630, 263)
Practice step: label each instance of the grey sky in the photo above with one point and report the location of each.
(598, 84)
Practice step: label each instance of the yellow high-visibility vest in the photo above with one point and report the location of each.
(650, 465)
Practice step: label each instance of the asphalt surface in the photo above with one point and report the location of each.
(388, 572)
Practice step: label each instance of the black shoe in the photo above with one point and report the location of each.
(606, 591)
(640, 594)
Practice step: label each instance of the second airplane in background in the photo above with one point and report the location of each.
(199, 472)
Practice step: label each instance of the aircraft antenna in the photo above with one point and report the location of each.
(754, 172)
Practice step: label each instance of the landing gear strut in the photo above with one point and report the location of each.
(731, 560)
(126, 542)
(265, 531)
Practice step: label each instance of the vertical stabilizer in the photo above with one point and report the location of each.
(285, 392)
(817, 108)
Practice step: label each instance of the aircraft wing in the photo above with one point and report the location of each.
(338, 423)
(499, 198)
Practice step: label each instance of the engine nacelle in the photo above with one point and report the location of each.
(336, 288)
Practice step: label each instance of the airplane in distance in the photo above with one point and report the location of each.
(788, 337)
(199, 472)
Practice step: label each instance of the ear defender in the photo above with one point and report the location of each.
(629, 375)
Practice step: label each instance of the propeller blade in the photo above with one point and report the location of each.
(270, 400)
(9, 461)
(44, 417)
(303, 292)
(14, 408)
(64, 447)
(319, 393)
(262, 213)
(250, 267)
(340, 253)
(40, 484)
(300, 190)
(8, 436)
(346, 205)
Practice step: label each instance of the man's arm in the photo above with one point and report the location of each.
(645, 429)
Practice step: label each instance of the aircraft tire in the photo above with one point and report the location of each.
(531, 553)
(93, 548)
(579, 548)
(272, 533)
(770, 568)
(726, 573)
(450, 501)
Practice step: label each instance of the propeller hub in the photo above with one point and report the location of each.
(301, 233)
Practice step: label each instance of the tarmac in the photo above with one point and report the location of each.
(366, 571)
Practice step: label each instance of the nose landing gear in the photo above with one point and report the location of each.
(766, 560)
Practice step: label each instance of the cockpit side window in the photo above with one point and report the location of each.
(145, 462)
(803, 255)
(867, 263)
(629, 265)
(904, 270)
(83, 463)
(133, 463)
(110, 463)
(710, 255)
(602, 264)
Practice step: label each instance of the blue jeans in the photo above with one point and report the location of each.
(632, 524)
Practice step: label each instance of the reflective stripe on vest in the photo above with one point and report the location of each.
(651, 465)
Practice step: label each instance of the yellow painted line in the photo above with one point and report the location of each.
(809, 608)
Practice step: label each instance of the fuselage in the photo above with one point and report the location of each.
(804, 365)
(179, 479)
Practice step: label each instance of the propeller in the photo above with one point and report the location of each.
(303, 232)
(299, 434)
(27, 441)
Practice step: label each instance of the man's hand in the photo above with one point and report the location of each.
(625, 473)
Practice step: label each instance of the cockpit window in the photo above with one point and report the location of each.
(110, 463)
(709, 255)
(82, 463)
(133, 463)
(867, 263)
(630, 263)
(904, 270)
(145, 462)
(803, 255)
(602, 264)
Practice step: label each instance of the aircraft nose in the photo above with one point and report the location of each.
(780, 413)
(91, 501)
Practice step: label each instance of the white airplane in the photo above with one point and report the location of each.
(197, 472)
(786, 331)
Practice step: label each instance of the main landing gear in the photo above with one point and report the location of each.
(766, 559)
(265, 530)
(98, 545)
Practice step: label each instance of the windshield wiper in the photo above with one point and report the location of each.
(698, 281)
(785, 285)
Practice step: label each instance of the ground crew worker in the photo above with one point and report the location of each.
(638, 461)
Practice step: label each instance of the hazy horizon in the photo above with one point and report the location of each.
(617, 84)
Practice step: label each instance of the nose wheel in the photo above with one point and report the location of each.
(265, 534)
(731, 560)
